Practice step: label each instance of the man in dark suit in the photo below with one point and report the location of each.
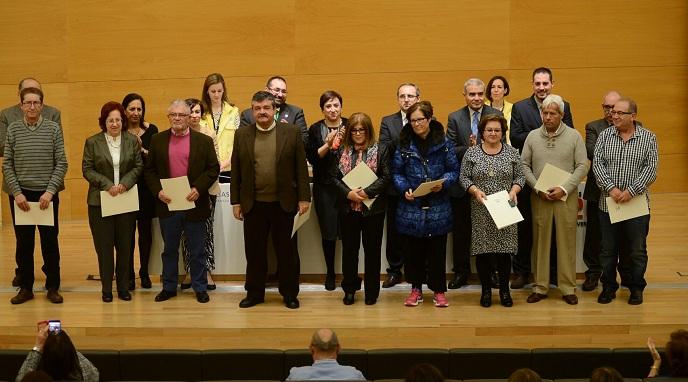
(14, 113)
(284, 113)
(593, 238)
(269, 186)
(462, 131)
(407, 95)
(181, 151)
(525, 117)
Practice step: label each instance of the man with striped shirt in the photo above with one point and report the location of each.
(625, 165)
(34, 169)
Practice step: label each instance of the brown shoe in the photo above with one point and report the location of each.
(54, 296)
(536, 297)
(590, 283)
(519, 282)
(570, 299)
(23, 296)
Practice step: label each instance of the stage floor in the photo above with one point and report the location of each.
(182, 323)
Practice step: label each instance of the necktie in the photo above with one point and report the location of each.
(474, 124)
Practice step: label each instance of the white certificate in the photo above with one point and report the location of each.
(300, 219)
(35, 215)
(127, 201)
(501, 211)
(426, 187)
(633, 208)
(177, 189)
(360, 176)
(552, 176)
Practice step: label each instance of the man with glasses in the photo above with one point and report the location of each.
(462, 131)
(284, 113)
(14, 113)
(175, 152)
(407, 95)
(625, 165)
(34, 170)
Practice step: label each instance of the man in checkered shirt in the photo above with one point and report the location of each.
(625, 165)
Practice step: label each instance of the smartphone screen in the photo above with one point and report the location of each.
(54, 326)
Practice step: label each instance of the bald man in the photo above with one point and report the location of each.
(324, 349)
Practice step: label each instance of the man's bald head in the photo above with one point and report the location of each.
(324, 342)
(608, 103)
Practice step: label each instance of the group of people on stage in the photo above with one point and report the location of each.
(488, 146)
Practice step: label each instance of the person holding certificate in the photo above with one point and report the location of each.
(487, 168)
(424, 155)
(111, 162)
(359, 217)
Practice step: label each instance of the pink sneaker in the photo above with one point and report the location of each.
(415, 298)
(440, 300)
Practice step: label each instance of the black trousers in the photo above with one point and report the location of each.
(144, 221)
(461, 254)
(26, 242)
(110, 234)
(356, 227)
(430, 251)
(593, 246)
(394, 248)
(486, 263)
(263, 219)
(522, 260)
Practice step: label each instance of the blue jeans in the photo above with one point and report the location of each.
(172, 228)
(633, 233)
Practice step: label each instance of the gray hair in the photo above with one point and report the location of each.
(179, 102)
(553, 99)
(472, 81)
(325, 340)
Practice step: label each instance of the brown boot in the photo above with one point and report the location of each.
(23, 296)
(54, 296)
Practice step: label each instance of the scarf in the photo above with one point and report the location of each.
(350, 159)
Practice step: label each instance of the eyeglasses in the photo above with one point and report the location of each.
(113, 120)
(178, 115)
(32, 103)
(607, 107)
(417, 121)
(278, 91)
(615, 113)
(358, 131)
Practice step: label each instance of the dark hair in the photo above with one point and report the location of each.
(491, 117)
(632, 106)
(359, 119)
(425, 107)
(37, 376)
(26, 91)
(544, 70)
(133, 97)
(677, 353)
(192, 102)
(267, 84)
(212, 79)
(59, 358)
(606, 374)
(424, 372)
(107, 109)
(263, 95)
(328, 95)
(488, 89)
(525, 375)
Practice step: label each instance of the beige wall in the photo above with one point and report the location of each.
(88, 52)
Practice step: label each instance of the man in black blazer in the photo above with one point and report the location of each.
(269, 186)
(181, 151)
(407, 95)
(285, 113)
(526, 117)
(462, 131)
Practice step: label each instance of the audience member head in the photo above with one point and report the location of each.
(112, 119)
(525, 375)
(492, 119)
(36, 376)
(606, 374)
(424, 372)
(407, 94)
(359, 131)
(677, 353)
(324, 344)
(277, 86)
(197, 111)
(331, 105)
(214, 91)
(59, 358)
(135, 110)
(497, 88)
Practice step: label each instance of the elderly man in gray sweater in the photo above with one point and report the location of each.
(556, 144)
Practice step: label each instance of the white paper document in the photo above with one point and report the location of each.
(361, 176)
(501, 211)
(35, 215)
(629, 210)
(177, 189)
(120, 204)
(426, 187)
(300, 219)
(552, 176)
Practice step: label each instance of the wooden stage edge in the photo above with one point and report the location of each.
(182, 323)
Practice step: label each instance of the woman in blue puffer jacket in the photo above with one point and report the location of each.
(424, 154)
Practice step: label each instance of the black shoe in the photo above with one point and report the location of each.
(185, 286)
(458, 281)
(23, 296)
(211, 287)
(505, 299)
(124, 295)
(165, 295)
(636, 297)
(348, 299)
(590, 282)
(107, 297)
(250, 301)
(291, 302)
(606, 296)
(519, 282)
(330, 282)
(486, 298)
(391, 280)
(202, 297)
(370, 300)
(54, 296)
(495, 280)
(132, 284)
(15, 281)
(146, 282)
